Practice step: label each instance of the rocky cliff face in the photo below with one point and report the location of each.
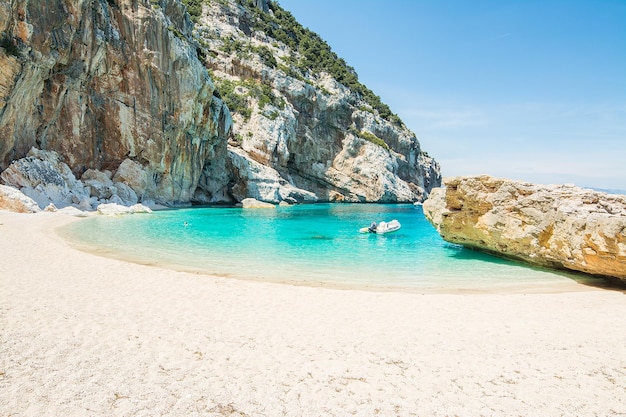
(104, 81)
(317, 139)
(554, 226)
(121, 91)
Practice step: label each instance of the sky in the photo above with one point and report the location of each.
(531, 90)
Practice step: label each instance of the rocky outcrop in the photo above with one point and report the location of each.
(263, 182)
(313, 134)
(558, 226)
(102, 82)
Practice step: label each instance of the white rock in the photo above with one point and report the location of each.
(102, 177)
(85, 205)
(73, 211)
(115, 199)
(126, 194)
(132, 174)
(254, 203)
(263, 183)
(43, 177)
(112, 209)
(99, 190)
(13, 200)
(140, 208)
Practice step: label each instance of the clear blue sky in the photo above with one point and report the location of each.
(533, 90)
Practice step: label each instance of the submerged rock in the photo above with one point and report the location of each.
(558, 226)
(254, 203)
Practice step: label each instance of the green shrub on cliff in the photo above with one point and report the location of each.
(194, 8)
(370, 137)
(236, 102)
(237, 98)
(244, 50)
(266, 56)
(316, 55)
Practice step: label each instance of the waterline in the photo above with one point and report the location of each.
(309, 245)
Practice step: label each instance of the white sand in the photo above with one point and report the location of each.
(83, 335)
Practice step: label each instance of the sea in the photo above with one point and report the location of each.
(313, 244)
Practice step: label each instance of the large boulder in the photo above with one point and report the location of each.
(45, 178)
(102, 188)
(134, 175)
(125, 194)
(113, 209)
(99, 184)
(12, 199)
(558, 226)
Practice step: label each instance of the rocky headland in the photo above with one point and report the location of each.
(557, 226)
(304, 128)
(191, 102)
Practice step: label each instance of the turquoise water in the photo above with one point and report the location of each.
(315, 244)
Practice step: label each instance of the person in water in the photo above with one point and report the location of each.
(372, 227)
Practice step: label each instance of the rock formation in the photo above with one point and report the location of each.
(558, 226)
(319, 138)
(45, 178)
(120, 90)
(101, 82)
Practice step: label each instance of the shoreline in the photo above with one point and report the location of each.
(552, 281)
(84, 334)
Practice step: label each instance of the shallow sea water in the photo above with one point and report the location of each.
(317, 244)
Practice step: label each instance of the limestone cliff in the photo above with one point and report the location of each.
(557, 226)
(121, 91)
(300, 111)
(104, 81)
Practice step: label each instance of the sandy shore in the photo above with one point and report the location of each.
(83, 335)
